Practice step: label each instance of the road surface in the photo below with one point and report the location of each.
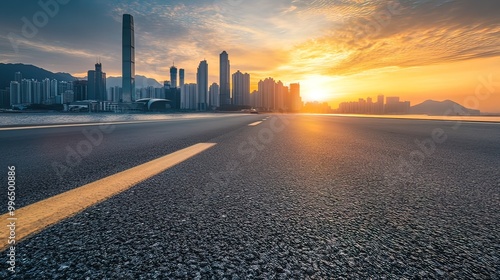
(293, 196)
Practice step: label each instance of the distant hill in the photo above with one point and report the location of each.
(140, 82)
(7, 72)
(441, 108)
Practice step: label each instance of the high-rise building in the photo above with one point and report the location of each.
(202, 82)
(241, 88)
(36, 92)
(225, 86)
(18, 77)
(96, 84)
(15, 93)
(267, 89)
(380, 104)
(128, 59)
(181, 77)
(296, 100)
(26, 91)
(45, 90)
(4, 99)
(80, 89)
(213, 95)
(189, 96)
(281, 92)
(53, 88)
(173, 77)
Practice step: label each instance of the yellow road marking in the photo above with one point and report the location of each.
(255, 123)
(36, 217)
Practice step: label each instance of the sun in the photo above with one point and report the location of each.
(317, 88)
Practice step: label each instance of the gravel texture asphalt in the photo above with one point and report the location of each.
(297, 197)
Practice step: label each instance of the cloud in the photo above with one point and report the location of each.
(415, 34)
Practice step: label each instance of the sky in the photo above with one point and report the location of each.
(339, 50)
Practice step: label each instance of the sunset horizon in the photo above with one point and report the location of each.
(337, 50)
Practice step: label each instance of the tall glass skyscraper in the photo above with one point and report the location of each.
(202, 82)
(181, 77)
(225, 87)
(128, 59)
(173, 77)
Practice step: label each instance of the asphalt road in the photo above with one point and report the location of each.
(298, 196)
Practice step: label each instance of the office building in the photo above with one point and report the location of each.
(202, 82)
(241, 89)
(18, 77)
(295, 99)
(189, 96)
(80, 89)
(97, 84)
(15, 93)
(181, 77)
(128, 59)
(173, 77)
(213, 96)
(224, 83)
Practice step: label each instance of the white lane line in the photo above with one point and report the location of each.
(40, 215)
(255, 123)
(77, 125)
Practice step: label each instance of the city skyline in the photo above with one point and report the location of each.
(418, 50)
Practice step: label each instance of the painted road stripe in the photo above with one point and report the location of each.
(36, 217)
(255, 123)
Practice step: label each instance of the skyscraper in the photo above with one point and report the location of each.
(96, 84)
(181, 77)
(296, 100)
(213, 93)
(26, 91)
(173, 77)
(15, 93)
(128, 58)
(241, 88)
(80, 89)
(202, 82)
(18, 77)
(225, 87)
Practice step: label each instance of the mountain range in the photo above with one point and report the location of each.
(442, 108)
(7, 72)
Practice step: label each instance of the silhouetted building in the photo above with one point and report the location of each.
(267, 93)
(114, 94)
(45, 91)
(295, 99)
(26, 91)
(241, 88)
(202, 82)
(4, 98)
(15, 93)
(213, 96)
(18, 77)
(225, 86)
(53, 88)
(96, 84)
(173, 77)
(128, 58)
(280, 94)
(174, 96)
(181, 77)
(189, 96)
(80, 88)
(392, 106)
